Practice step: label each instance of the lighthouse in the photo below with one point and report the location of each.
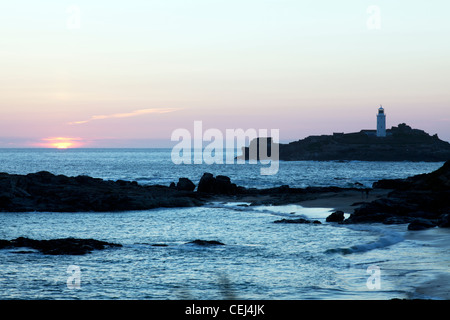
(381, 122)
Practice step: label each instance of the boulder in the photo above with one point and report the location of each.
(216, 185)
(223, 185)
(184, 184)
(206, 183)
(337, 216)
(206, 242)
(421, 224)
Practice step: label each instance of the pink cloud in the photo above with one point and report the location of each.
(126, 115)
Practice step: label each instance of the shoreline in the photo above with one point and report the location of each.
(437, 287)
(345, 201)
(434, 289)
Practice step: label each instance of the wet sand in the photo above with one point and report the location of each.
(438, 287)
(345, 201)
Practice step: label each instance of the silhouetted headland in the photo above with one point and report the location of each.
(421, 200)
(401, 143)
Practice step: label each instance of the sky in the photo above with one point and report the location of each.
(128, 73)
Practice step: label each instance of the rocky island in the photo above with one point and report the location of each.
(401, 143)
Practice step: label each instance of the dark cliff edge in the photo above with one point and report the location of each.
(402, 143)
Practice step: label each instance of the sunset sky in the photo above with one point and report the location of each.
(127, 73)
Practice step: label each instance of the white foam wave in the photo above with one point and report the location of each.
(289, 210)
(387, 238)
(282, 211)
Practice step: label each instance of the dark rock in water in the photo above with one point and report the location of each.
(206, 183)
(216, 185)
(421, 224)
(184, 184)
(337, 216)
(223, 185)
(206, 243)
(4, 244)
(68, 246)
(159, 245)
(44, 191)
(298, 221)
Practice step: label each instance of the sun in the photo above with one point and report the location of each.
(62, 145)
(61, 142)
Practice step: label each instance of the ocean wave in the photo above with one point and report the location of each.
(282, 211)
(387, 238)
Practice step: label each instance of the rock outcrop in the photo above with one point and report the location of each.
(422, 200)
(217, 185)
(67, 246)
(184, 184)
(298, 221)
(337, 216)
(200, 242)
(43, 191)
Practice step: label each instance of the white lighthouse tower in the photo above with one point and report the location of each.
(381, 122)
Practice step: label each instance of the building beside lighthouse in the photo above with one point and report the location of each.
(381, 122)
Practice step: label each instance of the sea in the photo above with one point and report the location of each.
(260, 259)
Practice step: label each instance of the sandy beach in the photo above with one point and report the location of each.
(438, 287)
(345, 201)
